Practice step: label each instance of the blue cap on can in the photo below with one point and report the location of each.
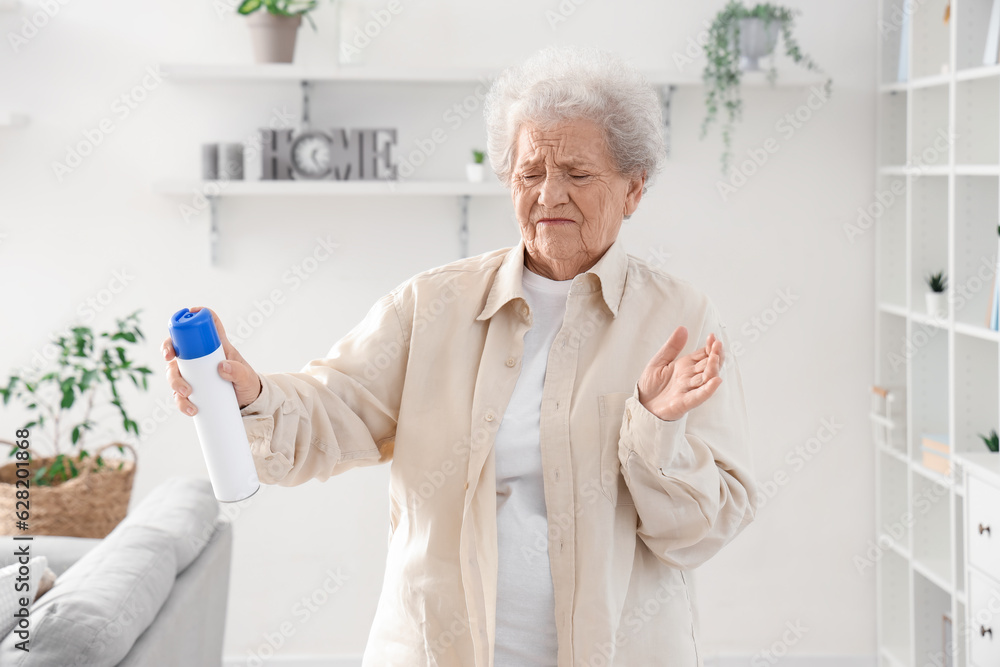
(193, 334)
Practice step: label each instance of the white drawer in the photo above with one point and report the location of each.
(984, 526)
(984, 620)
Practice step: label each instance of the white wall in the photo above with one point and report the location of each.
(61, 242)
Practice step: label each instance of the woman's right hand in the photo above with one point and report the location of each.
(245, 380)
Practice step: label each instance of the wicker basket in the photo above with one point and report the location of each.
(88, 505)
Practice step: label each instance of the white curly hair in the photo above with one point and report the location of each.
(568, 83)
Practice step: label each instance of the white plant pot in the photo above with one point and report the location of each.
(756, 41)
(272, 36)
(937, 304)
(474, 172)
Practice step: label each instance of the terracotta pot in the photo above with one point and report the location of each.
(273, 36)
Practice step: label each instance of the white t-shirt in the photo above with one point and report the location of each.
(525, 614)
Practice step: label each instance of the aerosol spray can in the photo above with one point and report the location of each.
(218, 421)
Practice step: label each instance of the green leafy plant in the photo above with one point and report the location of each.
(478, 156)
(937, 281)
(722, 73)
(992, 440)
(86, 363)
(280, 8)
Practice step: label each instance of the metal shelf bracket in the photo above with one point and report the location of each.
(463, 225)
(666, 97)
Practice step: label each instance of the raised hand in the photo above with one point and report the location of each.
(245, 380)
(669, 386)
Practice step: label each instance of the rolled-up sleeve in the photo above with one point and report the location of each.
(338, 412)
(691, 479)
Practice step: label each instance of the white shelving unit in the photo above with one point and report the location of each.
(938, 167)
(306, 77)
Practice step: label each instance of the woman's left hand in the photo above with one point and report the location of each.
(669, 387)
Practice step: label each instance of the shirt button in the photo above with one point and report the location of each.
(524, 310)
(510, 362)
(628, 414)
(466, 485)
(489, 416)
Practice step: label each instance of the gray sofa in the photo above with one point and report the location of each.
(151, 593)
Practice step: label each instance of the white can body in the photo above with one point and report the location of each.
(220, 428)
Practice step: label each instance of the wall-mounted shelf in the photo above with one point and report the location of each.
(665, 81)
(214, 190)
(285, 188)
(13, 119)
(391, 74)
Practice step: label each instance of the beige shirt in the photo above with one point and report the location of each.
(632, 501)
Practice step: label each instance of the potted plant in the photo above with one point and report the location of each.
(273, 32)
(73, 492)
(937, 300)
(738, 38)
(474, 169)
(992, 441)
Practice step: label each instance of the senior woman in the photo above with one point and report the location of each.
(568, 437)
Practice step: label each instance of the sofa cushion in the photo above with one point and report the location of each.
(12, 591)
(59, 550)
(100, 605)
(184, 507)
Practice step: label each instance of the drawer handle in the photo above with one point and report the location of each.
(984, 631)
(984, 529)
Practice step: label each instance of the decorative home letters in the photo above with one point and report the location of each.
(337, 154)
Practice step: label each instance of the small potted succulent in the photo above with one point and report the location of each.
(937, 299)
(738, 38)
(274, 25)
(992, 441)
(474, 169)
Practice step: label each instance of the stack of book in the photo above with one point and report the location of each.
(936, 452)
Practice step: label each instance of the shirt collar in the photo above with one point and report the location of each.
(607, 275)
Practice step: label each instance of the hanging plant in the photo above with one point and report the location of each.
(723, 70)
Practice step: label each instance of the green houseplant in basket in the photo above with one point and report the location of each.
(737, 38)
(73, 491)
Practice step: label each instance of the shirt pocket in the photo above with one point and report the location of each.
(611, 408)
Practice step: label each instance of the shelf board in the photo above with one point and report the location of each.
(252, 72)
(930, 81)
(895, 547)
(982, 72)
(13, 119)
(327, 188)
(931, 475)
(892, 656)
(925, 170)
(932, 572)
(893, 309)
(920, 82)
(894, 87)
(929, 320)
(977, 169)
(889, 451)
(977, 331)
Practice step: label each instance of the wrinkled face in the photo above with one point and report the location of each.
(568, 196)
